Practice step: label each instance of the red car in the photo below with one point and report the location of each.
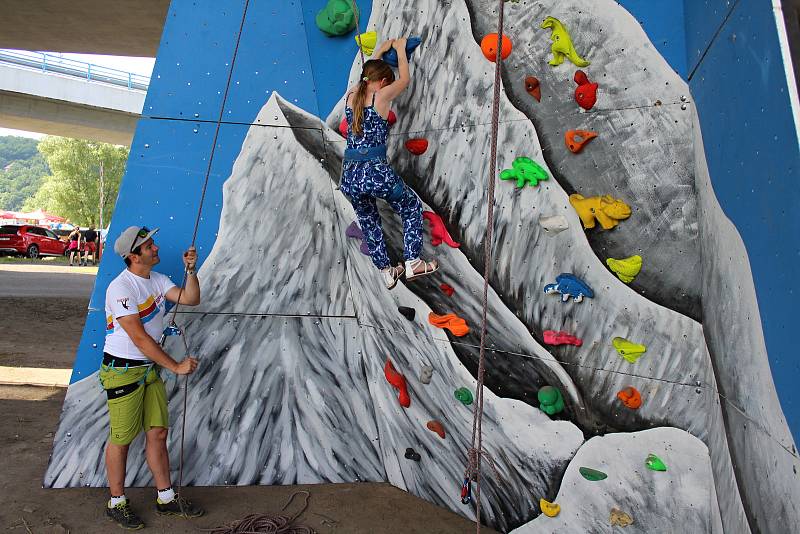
(32, 241)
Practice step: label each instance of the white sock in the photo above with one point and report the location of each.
(165, 496)
(113, 501)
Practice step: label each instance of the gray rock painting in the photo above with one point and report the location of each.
(291, 388)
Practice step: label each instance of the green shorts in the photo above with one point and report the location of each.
(143, 408)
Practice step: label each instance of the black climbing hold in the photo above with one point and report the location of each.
(408, 313)
(411, 454)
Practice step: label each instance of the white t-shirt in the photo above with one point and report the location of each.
(128, 294)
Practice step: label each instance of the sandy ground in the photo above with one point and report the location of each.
(43, 311)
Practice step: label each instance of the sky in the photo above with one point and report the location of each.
(136, 65)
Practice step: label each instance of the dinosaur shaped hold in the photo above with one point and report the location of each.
(524, 170)
(336, 18)
(562, 44)
(586, 92)
(606, 210)
(577, 139)
(569, 285)
(439, 233)
(367, 42)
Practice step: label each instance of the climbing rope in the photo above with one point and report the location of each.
(267, 524)
(358, 33)
(476, 452)
(194, 240)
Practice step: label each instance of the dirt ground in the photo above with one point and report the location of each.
(43, 311)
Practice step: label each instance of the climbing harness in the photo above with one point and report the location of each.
(476, 452)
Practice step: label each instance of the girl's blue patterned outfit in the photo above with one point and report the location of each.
(364, 181)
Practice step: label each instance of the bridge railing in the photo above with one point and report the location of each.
(72, 67)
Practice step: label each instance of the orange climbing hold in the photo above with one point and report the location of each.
(439, 233)
(457, 326)
(399, 382)
(577, 139)
(489, 47)
(417, 146)
(533, 87)
(436, 426)
(630, 397)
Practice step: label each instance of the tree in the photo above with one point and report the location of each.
(20, 179)
(73, 189)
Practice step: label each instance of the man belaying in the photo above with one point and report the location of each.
(366, 173)
(132, 358)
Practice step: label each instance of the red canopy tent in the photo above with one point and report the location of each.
(40, 215)
(7, 215)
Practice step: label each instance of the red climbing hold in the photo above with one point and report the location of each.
(439, 233)
(489, 47)
(436, 426)
(630, 397)
(447, 289)
(417, 146)
(586, 92)
(533, 87)
(398, 381)
(391, 118)
(551, 337)
(577, 139)
(343, 127)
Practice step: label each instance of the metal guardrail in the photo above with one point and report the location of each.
(74, 68)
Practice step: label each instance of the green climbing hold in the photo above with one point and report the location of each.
(562, 47)
(464, 396)
(525, 170)
(654, 463)
(592, 474)
(551, 401)
(336, 18)
(628, 350)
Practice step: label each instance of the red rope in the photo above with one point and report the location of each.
(476, 452)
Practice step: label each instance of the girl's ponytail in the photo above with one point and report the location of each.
(374, 70)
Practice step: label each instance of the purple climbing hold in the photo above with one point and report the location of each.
(353, 231)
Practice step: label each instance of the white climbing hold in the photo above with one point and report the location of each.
(553, 224)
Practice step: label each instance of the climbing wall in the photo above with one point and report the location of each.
(608, 352)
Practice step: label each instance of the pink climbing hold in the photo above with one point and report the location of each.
(439, 233)
(447, 289)
(399, 382)
(586, 92)
(551, 337)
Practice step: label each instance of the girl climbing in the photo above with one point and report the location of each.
(366, 173)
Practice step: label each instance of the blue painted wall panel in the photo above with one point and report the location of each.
(194, 60)
(703, 19)
(751, 145)
(664, 23)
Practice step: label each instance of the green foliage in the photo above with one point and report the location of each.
(21, 171)
(73, 189)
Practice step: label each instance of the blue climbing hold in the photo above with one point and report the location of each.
(569, 285)
(390, 57)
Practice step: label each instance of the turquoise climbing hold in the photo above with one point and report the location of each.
(390, 56)
(551, 401)
(654, 463)
(464, 396)
(336, 18)
(592, 474)
(524, 170)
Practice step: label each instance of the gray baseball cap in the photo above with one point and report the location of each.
(132, 237)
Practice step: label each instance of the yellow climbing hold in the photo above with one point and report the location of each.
(628, 350)
(626, 269)
(562, 44)
(367, 41)
(550, 509)
(606, 210)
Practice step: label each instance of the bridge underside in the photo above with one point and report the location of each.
(67, 119)
(122, 27)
